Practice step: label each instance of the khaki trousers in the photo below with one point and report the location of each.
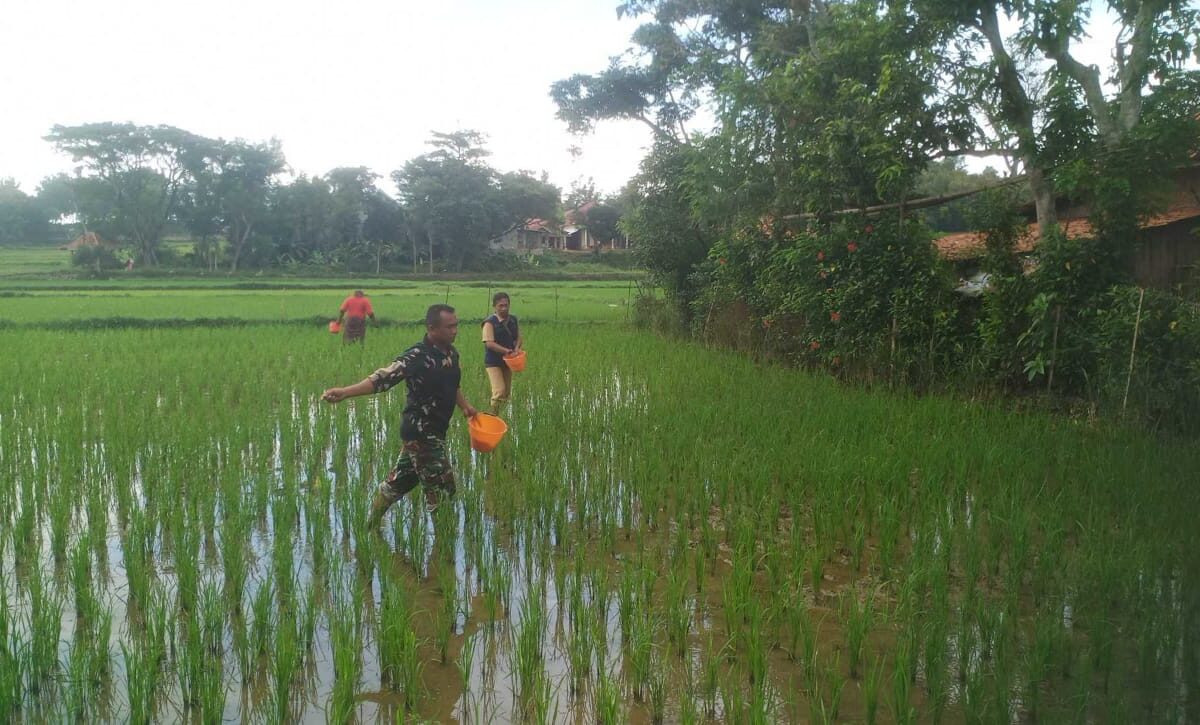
(501, 379)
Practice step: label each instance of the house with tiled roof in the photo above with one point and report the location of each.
(1168, 256)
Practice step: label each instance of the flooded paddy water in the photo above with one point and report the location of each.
(667, 534)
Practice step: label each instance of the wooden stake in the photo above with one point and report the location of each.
(1133, 349)
(1053, 347)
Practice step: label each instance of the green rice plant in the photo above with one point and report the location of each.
(640, 653)
(580, 648)
(392, 626)
(816, 572)
(466, 661)
(710, 678)
(79, 680)
(345, 637)
(446, 618)
(190, 662)
(260, 632)
(656, 687)
(86, 605)
(607, 699)
(141, 681)
(935, 666)
(1039, 657)
(528, 662)
(679, 612)
(61, 508)
(410, 666)
(45, 622)
(135, 556)
(871, 682)
(858, 616)
(211, 685)
(287, 662)
(757, 647)
(902, 681)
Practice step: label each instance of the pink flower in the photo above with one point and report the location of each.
(821, 255)
(721, 261)
(766, 323)
(869, 229)
(835, 317)
(814, 345)
(852, 247)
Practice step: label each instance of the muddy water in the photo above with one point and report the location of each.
(487, 692)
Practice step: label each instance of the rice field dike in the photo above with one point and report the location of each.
(667, 533)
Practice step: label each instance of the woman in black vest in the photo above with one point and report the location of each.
(501, 336)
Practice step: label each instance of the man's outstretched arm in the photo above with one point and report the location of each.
(366, 386)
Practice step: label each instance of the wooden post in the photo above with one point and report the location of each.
(892, 352)
(1053, 347)
(1137, 324)
(556, 304)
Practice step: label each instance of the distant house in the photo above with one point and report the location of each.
(535, 235)
(1169, 255)
(579, 237)
(88, 239)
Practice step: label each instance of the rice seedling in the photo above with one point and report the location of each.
(528, 664)
(345, 637)
(858, 615)
(446, 617)
(607, 699)
(871, 683)
(1006, 540)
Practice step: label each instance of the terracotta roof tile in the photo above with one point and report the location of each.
(970, 245)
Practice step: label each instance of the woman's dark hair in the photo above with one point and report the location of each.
(499, 296)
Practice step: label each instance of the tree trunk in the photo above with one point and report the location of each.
(1016, 112)
(1043, 198)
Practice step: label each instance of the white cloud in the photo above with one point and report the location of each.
(361, 82)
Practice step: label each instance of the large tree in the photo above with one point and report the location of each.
(231, 184)
(459, 203)
(24, 219)
(142, 170)
(1013, 65)
(824, 106)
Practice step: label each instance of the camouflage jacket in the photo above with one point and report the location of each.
(432, 377)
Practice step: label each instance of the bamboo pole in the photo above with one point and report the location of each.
(1137, 324)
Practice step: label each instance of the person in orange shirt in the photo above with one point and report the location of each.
(355, 310)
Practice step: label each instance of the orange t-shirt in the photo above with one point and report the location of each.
(357, 307)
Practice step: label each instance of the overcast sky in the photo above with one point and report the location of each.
(345, 83)
(340, 83)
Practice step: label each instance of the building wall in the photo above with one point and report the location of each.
(1169, 256)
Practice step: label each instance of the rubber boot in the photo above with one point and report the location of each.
(378, 508)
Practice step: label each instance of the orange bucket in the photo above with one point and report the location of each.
(516, 361)
(334, 327)
(486, 432)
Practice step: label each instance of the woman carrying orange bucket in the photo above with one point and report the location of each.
(502, 342)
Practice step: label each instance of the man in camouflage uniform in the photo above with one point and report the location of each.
(431, 371)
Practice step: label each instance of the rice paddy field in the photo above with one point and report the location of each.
(667, 533)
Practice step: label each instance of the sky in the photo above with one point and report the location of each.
(346, 83)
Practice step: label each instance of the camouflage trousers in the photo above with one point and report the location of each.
(422, 461)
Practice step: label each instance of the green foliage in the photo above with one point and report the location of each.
(855, 294)
(96, 258)
(457, 203)
(23, 219)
